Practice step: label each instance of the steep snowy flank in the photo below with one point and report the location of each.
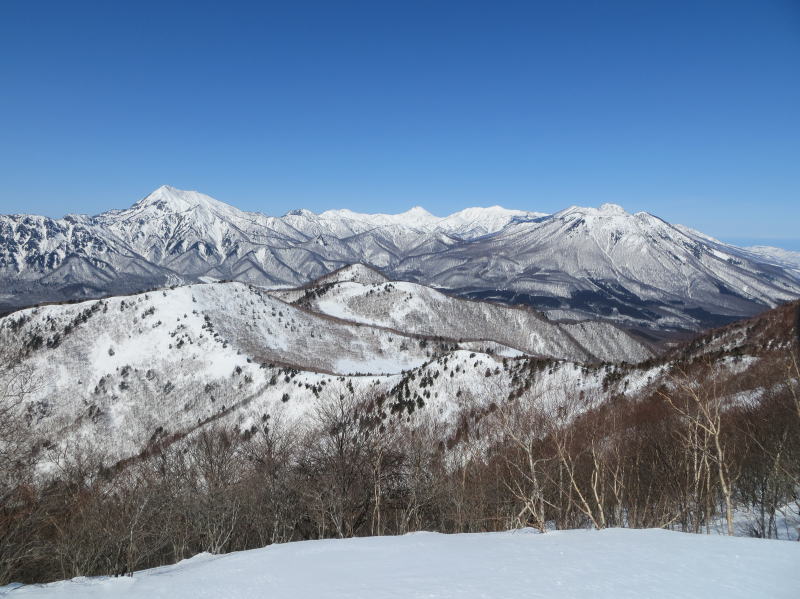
(417, 309)
(188, 231)
(778, 256)
(633, 268)
(613, 563)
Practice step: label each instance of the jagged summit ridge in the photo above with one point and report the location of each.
(416, 217)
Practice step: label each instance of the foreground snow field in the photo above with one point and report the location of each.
(578, 563)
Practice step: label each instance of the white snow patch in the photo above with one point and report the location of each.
(375, 365)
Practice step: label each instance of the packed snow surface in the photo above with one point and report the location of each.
(614, 563)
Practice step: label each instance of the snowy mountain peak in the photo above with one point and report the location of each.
(477, 221)
(171, 199)
(606, 210)
(353, 273)
(417, 212)
(476, 211)
(609, 208)
(300, 212)
(417, 218)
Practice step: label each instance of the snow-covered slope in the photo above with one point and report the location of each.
(416, 309)
(170, 360)
(417, 218)
(126, 366)
(214, 318)
(633, 269)
(354, 273)
(613, 563)
(117, 374)
(778, 256)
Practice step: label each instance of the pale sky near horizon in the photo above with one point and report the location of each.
(687, 110)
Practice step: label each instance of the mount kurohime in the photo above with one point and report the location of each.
(634, 269)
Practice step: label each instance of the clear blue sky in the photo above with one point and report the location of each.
(687, 109)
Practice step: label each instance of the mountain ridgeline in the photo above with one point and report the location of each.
(580, 263)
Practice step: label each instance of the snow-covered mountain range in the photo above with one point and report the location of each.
(124, 372)
(635, 269)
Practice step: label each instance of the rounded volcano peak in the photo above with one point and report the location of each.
(171, 199)
(609, 208)
(417, 211)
